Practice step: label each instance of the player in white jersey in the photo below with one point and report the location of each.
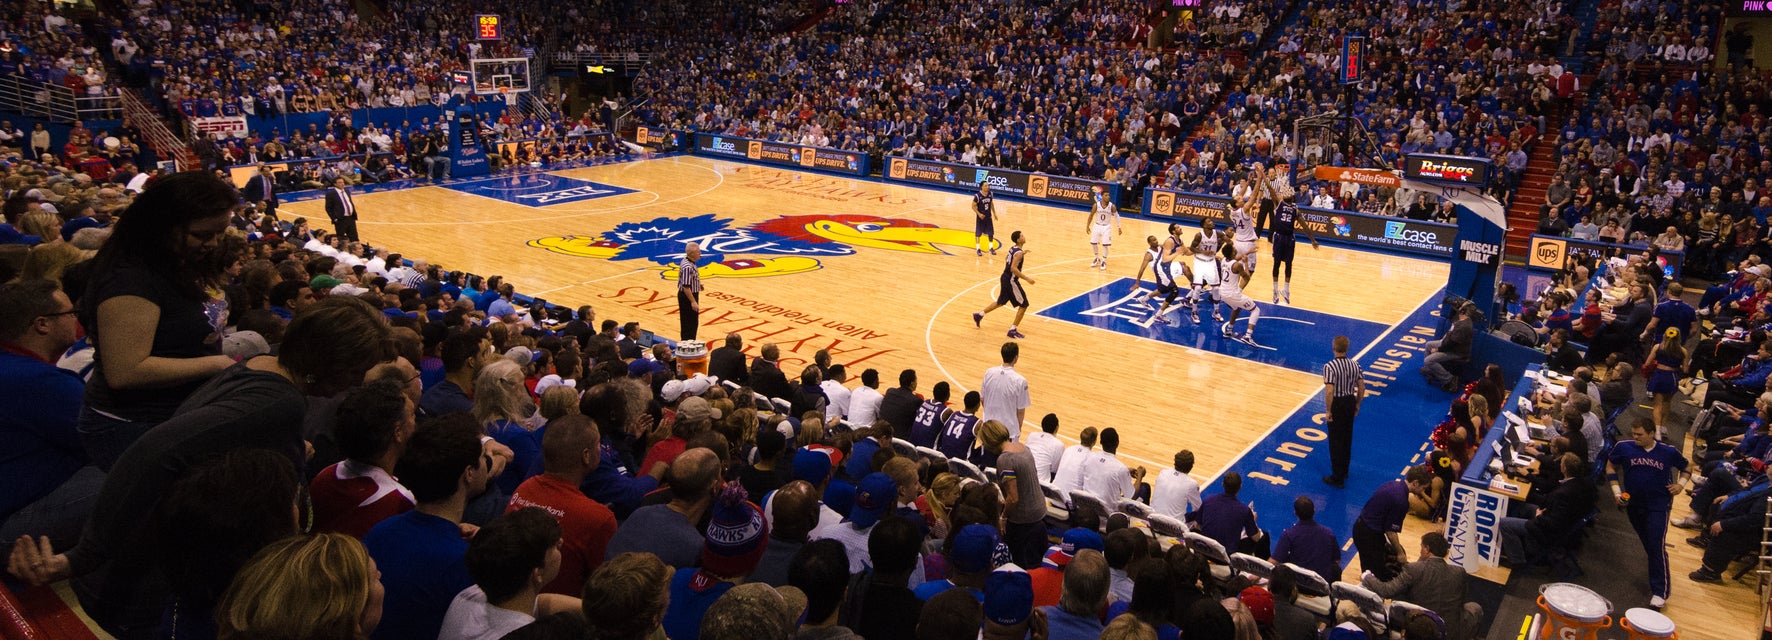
(1166, 287)
(1206, 275)
(1242, 223)
(1230, 292)
(1103, 218)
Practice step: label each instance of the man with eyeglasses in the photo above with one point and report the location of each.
(49, 487)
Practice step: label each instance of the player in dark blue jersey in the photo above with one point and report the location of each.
(957, 434)
(1651, 474)
(1284, 238)
(931, 417)
(1009, 291)
(984, 216)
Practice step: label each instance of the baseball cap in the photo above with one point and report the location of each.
(672, 390)
(874, 496)
(322, 282)
(1260, 603)
(241, 345)
(973, 548)
(520, 355)
(643, 366)
(1077, 539)
(697, 384)
(695, 409)
(812, 465)
(553, 380)
(1008, 595)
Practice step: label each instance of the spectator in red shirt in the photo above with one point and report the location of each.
(374, 424)
(570, 450)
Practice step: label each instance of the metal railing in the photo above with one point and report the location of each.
(55, 103)
(159, 137)
(627, 62)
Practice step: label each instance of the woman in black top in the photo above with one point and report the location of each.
(154, 310)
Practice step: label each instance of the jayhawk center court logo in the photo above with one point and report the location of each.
(780, 246)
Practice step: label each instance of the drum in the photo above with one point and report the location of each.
(1647, 624)
(1572, 612)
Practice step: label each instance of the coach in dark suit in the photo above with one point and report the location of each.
(262, 188)
(1559, 511)
(728, 361)
(1436, 584)
(766, 375)
(342, 210)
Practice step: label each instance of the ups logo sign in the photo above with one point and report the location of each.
(895, 169)
(808, 156)
(1163, 204)
(1036, 186)
(754, 150)
(1547, 253)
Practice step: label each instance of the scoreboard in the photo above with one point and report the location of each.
(487, 26)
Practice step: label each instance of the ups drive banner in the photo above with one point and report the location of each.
(1348, 227)
(1552, 253)
(1004, 182)
(782, 154)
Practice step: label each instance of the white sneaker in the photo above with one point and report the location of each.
(1657, 602)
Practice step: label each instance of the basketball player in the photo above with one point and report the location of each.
(984, 233)
(1243, 235)
(1103, 215)
(1285, 240)
(1009, 291)
(1205, 272)
(1153, 257)
(1234, 274)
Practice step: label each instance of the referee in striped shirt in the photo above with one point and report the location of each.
(1343, 389)
(689, 291)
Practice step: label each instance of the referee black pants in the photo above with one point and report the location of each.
(1267, 209)
(689, 318)
(1341, 434)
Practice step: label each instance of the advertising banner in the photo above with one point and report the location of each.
(1473, 526)
(220, 127)
(655, 137)
(1414, 236)
(1374, 177)
(1004, 182)
(782, 154)
(1552, 253)
(1459, 170)
(467, 158)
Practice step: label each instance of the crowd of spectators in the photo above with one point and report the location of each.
(477, 465)
(1467, 79)
(45, 46)
(1021, 85)
(218, 57)
(1668, 151)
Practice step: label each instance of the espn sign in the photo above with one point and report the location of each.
(1374, 177)
(218, 128)
(1459, 170)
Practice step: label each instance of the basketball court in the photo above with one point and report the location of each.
(884, 276)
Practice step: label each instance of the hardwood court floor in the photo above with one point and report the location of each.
(903, 307)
